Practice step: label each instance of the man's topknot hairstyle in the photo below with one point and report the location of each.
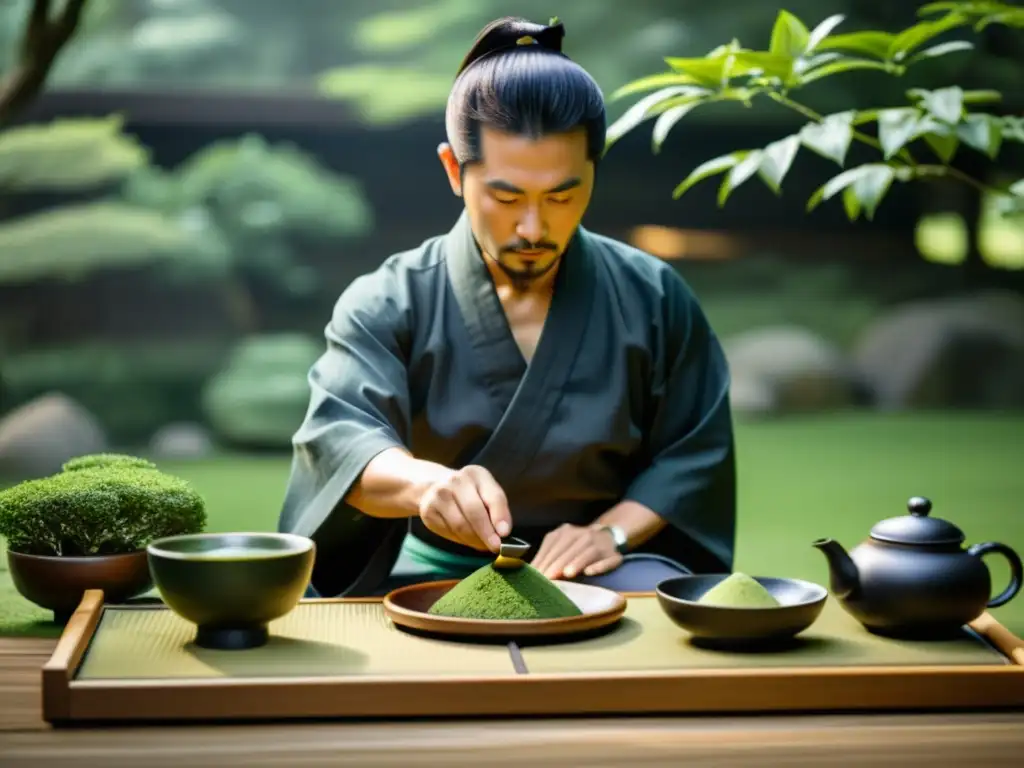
(516, 79)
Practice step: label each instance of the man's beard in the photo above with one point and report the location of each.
(522, 277)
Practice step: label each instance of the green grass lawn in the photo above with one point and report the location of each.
(800, 479)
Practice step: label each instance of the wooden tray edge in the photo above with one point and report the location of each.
(1002, 639)
(703, 691)
(709, 692)
(63, 663)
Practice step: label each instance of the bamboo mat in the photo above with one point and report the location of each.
(648, 640)
(313, 640)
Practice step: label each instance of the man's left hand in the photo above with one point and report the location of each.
(571, 550)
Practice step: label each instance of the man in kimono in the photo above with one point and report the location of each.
(518, 374)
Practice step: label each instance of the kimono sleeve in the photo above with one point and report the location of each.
(690, 478)
(359, 407)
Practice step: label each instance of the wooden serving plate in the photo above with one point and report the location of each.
(407, 607)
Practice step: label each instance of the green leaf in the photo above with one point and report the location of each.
(739, 174)
(1013, 128)
(649, 83)
(777, 159)
(868, 43)
(981, 132)
(931, 9)
(984, 96)
(770, 64)
(709, 72)
(1017, 188)
(706, 170)
(943, 144)
(646, 107)
(941, 49)
(804, 65)
(947, 104)
(821, 31)
(897, 127)
(851, 203)
(838, 67)
(831, 137)
(869, 183)
(1012, 17)
(914, 37)
(789, 36)
(667, 120)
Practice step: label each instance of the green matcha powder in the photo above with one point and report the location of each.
(739, 591)
(505, 594)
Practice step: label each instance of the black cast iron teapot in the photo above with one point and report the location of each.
(913, 579)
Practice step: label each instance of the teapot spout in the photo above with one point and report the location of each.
(844, 580)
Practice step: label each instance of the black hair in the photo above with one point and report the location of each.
(516, 79)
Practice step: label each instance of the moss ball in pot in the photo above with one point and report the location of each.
(87, 527)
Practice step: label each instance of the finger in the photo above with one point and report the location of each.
(435, 522)
(545, 548)
(603, 566)
(582, 551)
(555, 542)
(496, 502)
(446, 508)
(579, 562)
(572, 544)
(475, 513)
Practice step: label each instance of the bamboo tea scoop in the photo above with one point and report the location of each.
(511, 552)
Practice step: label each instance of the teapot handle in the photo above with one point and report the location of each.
(1016, 571)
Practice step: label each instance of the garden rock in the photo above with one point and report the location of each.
(962, 352)
(787, 369)
(181, 441)
(38, 437)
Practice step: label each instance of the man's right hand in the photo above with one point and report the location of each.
(467, 507)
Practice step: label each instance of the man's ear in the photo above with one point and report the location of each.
(451, 167)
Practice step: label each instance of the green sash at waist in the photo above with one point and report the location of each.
(420, 558)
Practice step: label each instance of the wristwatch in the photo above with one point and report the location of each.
(618, 536)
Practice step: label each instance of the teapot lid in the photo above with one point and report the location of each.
(917, 527)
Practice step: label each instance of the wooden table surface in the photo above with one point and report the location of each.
(991, 739)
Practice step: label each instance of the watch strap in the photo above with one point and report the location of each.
(618, 536)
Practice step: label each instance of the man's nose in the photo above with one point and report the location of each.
(531, 226)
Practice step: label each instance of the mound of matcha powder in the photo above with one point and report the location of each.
(739, 591)
(505, 593)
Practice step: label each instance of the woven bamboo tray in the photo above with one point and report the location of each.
(342, 658)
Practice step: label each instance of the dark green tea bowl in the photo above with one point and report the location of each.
(231, 585)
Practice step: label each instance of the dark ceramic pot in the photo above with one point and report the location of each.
(57, 583)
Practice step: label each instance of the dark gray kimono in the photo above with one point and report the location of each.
(626, 398)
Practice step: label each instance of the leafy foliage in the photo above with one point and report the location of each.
(68, 155)
(942, 120)
(75, 240)
(262, 392)
(108, 508)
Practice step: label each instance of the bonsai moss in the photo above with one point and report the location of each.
(505, 593)
(108, 506)
(95, 460)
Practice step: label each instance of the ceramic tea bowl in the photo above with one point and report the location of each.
(800, 605)
(231, 585)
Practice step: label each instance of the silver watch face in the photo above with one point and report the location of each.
(618, 535)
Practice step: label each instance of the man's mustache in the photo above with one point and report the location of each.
(523, 245)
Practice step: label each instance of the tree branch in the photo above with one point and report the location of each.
(44, 39)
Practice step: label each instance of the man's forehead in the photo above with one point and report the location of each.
(552, 162)
(498, 145)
